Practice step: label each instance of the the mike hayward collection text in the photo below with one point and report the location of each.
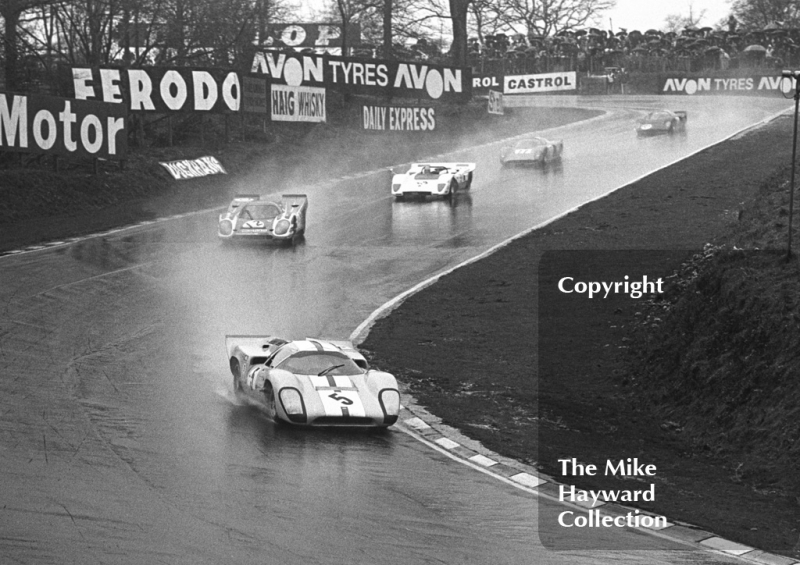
(630, 467)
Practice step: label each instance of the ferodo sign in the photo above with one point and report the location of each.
(162, 90)
(398, 118)
(763, 85)
(357, 76)
(47, 124)
(545, 82)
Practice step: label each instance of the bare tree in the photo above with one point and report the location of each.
(11, 11)
(548, 17)
(459, 10)
(678, 22)
(757, 14)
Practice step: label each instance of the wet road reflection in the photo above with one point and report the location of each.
(120, 441)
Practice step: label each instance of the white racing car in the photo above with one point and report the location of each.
(432, 179)
(312, 382)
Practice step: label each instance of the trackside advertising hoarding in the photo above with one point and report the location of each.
(481, 84)
(194, 168)
(371, 77)
(747, 85)
(544, 82)
(158, 89)
(398, 118)
(297, 103)
(48, 124)
(314, 36)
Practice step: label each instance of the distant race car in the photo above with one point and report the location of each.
(434, 179)
(662, 121)
(531, 151)
(312, 382)
(251, 216)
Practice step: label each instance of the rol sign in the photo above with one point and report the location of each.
(46, 124)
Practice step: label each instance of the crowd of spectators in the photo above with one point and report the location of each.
(592, 50)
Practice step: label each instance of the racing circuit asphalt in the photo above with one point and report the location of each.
(119, 438)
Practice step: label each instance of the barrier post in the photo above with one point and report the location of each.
(792, 75)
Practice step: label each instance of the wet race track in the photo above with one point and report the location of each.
(120, 441)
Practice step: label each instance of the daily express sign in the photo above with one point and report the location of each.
(47, 124)
(415, 80)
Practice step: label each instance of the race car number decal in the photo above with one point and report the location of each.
(254, 224)
(343, 399)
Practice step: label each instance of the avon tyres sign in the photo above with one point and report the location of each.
(297, 103)
(157, 89)
(398, 118)
(303, 36)
(753, 85)
(545, 82)
(47, 124)
(193, 168)
(373, 77)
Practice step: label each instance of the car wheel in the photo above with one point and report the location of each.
(237, 384)
(469, 182)
(452, 189)
(399, 197)
(269, 400)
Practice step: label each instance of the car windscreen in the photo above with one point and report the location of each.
(316, 362)
(430, 173)
(260, 212)
(658, 117)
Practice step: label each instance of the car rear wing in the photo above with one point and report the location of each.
(455, 167)
(250, 344)
(294, 202)
(682, 114)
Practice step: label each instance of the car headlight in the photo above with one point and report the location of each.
(281, 227)
(389, 399)
(645, 126)
(225, 227)
(440, 186)
(395, 187)
(292, 402)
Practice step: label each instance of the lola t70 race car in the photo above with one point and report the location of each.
(434, 179)
(312, 382)
(662, 121)
(251, 217)
(531, 151)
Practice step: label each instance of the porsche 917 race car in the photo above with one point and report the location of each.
(312, 382)
(432, 179)
(250, 216)
(662, 121)
(531, 151)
